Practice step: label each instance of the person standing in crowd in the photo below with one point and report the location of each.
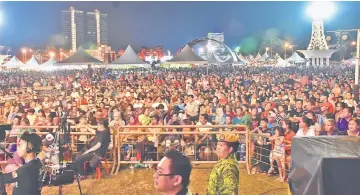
(295, 115)
(27, 178)
(224, 178)
(263, 145)
(172, 175)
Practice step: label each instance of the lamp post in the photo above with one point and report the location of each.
(271, 49)
(286, 45)
(292, 48)
(24, 54)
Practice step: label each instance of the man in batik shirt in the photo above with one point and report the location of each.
(224, 178)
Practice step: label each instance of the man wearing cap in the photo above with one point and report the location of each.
(26, 178)
(224, 178)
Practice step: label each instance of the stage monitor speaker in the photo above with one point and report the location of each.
(341, 176)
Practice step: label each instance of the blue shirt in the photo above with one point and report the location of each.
(342, 125)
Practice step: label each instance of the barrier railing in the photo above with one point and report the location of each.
(118, 142)
(264, 154)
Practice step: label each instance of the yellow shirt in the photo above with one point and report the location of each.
(144, 120)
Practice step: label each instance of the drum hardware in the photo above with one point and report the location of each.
(61, 173)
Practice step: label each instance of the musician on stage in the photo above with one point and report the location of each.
(27, 178)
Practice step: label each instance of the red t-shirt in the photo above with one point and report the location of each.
(223, 101)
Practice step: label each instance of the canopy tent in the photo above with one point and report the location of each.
(187, 56)
(281, 62)
(257, 57)
(13, 63)
(296, 58)
(249, 58)
(32, 64)
(243, 59)
(80, 57)
(325, 165)
(48, 65)
(264, 57)
(176, 65)
(2, 58)
(239, 63)
(129, 59)
(351, 61)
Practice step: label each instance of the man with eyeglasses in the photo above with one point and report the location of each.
(172, 176)
(224, 178)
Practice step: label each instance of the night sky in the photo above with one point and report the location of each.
(172, 24)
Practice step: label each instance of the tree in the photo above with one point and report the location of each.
(274, 44)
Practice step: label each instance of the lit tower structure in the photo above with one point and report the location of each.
(97, 29)
(318, 52)
(72, 24)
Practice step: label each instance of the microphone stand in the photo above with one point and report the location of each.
(65, 127)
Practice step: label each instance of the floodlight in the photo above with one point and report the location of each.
(201, 50)
(321, 10)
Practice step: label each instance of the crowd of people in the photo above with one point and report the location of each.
(275, 103)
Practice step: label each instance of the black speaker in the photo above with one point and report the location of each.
(3, 128)
(66, 177)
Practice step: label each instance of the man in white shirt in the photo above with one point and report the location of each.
(192, 108)
(138, 104)
(159, 101)
(75, 94)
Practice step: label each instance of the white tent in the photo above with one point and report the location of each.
(257, 57)
(242, 58)
(2, 58)
(32, 64)
(250, 58)
(129, 59)
(295, 58)
(48, 65)
(264, 57)
(13, 63)
(281, 62)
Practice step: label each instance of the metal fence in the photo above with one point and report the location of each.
(126, 141)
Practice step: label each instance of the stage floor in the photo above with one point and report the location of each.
(140, 182)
